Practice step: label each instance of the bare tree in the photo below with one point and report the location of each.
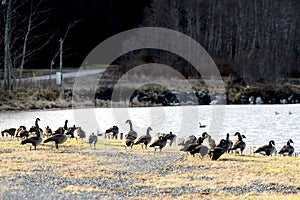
(33, 22)
(7, 82)
(20, 42)
(60, 51)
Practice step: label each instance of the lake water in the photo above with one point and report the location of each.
(258, 123)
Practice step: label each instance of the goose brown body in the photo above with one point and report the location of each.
(171, 137)
(131, 132)
(195, 147)
(239, 144)
(287, 149)
(217, 152)
(93, 139)
(58, 139)
(10, 131)
(145, 139)
(227, 144)
(268, 149)
(34, 141)
(159, 143)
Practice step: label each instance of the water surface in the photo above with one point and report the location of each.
(258, 123)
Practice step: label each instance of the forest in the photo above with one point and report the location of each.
(256, 41)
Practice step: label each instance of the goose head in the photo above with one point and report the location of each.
(162, 138)
(237, 134)
(227, 136)
(223, 141)
(205, 135)
(272, 143)
(290, 141)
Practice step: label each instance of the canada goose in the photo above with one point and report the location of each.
(10, 131)
(201, 126)
(37, 122)
(171, 137)
(112, 132)
(290, 113)
(36, 126)
(210, 143)
(267, 149)
(93, 139)
(22, 132)
(190, 148)
(216, 152)
(227, 144)
(190, 140)
(35, 141)
(61, 130)
(287, 149)
(201, 149)
(129, 141)
(239, 144)
(58, 139)
(19, 130)
(79, 133)
(190, 145)
(145, 139)
(277, 113)
(48, 131)
(34, 129)
(71, 132)
(131, 132)
(160, 143)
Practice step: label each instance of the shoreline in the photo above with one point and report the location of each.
(65, 105)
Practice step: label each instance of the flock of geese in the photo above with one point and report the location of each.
(203, 145)
(35, 134)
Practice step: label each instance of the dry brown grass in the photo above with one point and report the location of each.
(78, 160)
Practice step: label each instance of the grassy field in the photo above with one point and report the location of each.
(171, 174)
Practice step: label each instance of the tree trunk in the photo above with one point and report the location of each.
(25, 44)
(7, 83)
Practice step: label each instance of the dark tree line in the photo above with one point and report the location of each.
(255, 40)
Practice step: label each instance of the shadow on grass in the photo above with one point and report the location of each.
(242, 158)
